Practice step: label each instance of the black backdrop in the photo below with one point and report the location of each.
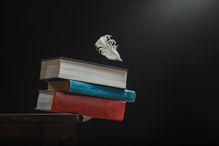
(170, 48)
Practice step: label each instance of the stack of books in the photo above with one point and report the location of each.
(84, 88)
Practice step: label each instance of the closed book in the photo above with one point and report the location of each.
(72, 69)
(73, 86)
(55, 101)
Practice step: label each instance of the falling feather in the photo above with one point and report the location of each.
(108, 48)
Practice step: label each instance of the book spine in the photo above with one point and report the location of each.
(89, 106)
(101, 91)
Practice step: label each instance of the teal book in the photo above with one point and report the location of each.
(73, 86)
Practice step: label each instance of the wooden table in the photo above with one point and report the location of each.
(38, 129)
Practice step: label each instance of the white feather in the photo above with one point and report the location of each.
(108, 48)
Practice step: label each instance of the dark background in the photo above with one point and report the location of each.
(170, 48)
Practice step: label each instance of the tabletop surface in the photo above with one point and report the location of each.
(41, 117)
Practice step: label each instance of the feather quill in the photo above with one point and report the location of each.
(107, 47)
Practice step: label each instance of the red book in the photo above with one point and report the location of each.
(55, 101)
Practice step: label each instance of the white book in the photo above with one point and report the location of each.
(73, 69)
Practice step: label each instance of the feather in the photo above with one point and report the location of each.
(108, 48)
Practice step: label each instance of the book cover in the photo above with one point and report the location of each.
(55, 101)
(72, 69)
(73, 86)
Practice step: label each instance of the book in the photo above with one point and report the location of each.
(55, 101)
(72, 69)
(73, 86)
